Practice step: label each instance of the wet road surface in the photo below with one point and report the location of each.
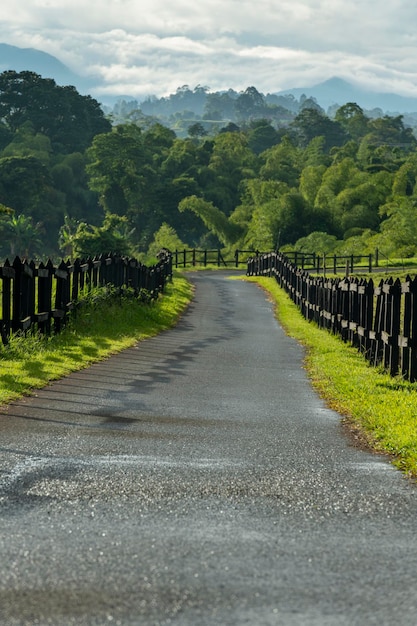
(197, 479)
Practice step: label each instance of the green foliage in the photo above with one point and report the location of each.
(399, 230)
(68, 119)
(197, 130)
(262, 136)
(112, 236)
(20, 236)
(5, 209)
(353, 120)
(167, 238)
(282, 162)
(311, 123)
(227, 231)
(285, 171)
(91, 336)
(317, 242)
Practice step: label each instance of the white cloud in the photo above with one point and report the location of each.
(157, 45)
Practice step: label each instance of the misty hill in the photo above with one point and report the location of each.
(42, 63)
(336, 91)
(328, 94)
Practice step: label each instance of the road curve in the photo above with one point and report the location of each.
(197, 479)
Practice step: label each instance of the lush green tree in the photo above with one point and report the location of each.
(214, 219)
(23, 182)
(261, 136)
(353, 120)
(165, 237)
(219, 106)
(349, 150)
(249, 104)
(197, 130)
(405, 178)
(20, 236)
(315, 154)
(277, 222)
(363, 242)
(310, 182)
(119, 169)
(310, 123)
(317, 242)
(230, 127)
(231, 162)
(182, 159)
(261, 232)
(282, 162)
(358, 206)
(26, 142)
(114, 235)
(70, 179)
(399, 228)
(386, 144)
(68, 119)
(158, 140)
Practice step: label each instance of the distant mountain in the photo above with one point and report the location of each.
(46, 65)
(334, 91)
(338, 91)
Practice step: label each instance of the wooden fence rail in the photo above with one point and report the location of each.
(41, 296)
(380, 320)
(333, 263)
(194, 257)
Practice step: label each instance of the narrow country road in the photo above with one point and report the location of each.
(196, 480)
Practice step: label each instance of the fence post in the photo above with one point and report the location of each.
(45, 297)
(394, 327)
(412, 375)
(17, 294)
(7, 274)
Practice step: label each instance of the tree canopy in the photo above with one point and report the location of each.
(247, 170)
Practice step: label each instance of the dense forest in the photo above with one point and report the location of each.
(77, 181)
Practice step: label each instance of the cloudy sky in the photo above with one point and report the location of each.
(154, 46)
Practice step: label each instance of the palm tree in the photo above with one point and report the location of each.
(22, 235)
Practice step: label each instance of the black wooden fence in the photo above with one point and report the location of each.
(380, 320)
(40, 296)
(194, 257)
(334, 263)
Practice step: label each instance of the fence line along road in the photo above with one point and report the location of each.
(40, 296)
(380, 320)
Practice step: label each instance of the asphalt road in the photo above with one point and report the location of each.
(197, 479)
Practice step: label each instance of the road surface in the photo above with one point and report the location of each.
(197, 479)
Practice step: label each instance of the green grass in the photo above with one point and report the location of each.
(380, 411)
(98, 330)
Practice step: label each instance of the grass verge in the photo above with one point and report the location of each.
(97, 331)
(381, 411)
